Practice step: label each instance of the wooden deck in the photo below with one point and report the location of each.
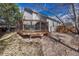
(33, 33)
(33, 28)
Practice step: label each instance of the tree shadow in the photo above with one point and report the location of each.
(59, 41)
(2, 32)
(2, 47)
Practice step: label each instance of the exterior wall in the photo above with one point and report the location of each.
(55, 25)
(52, 25)
(27, 16)
(42, 17)
(35, 16)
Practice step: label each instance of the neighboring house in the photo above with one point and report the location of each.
(3, 26)
(32, 15)
(2, 22)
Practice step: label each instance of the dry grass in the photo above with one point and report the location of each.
(18, 46)
(14, 46)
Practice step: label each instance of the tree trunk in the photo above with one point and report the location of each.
(76, 19)
(8, 28)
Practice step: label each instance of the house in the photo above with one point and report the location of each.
(36, 24)
(29, 14)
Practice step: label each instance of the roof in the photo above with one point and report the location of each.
(45, 16)
(28, 10)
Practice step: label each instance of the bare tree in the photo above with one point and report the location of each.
(76, 18)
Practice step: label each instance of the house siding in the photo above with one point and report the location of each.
(27, 16)
(36, 16)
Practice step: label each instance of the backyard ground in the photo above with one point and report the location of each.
(55, 44)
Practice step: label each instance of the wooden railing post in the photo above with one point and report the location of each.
(40, 25)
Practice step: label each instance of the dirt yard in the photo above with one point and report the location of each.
(57, 44)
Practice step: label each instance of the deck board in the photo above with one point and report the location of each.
(33, 33)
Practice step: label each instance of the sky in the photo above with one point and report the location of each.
(49, 9)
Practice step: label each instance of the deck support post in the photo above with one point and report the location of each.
(30, 37)
(23, 25)
(40, 25)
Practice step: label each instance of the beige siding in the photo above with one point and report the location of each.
(27, 16)
(52, 25)
(35, 16)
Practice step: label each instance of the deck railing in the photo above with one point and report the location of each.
(34, 25)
